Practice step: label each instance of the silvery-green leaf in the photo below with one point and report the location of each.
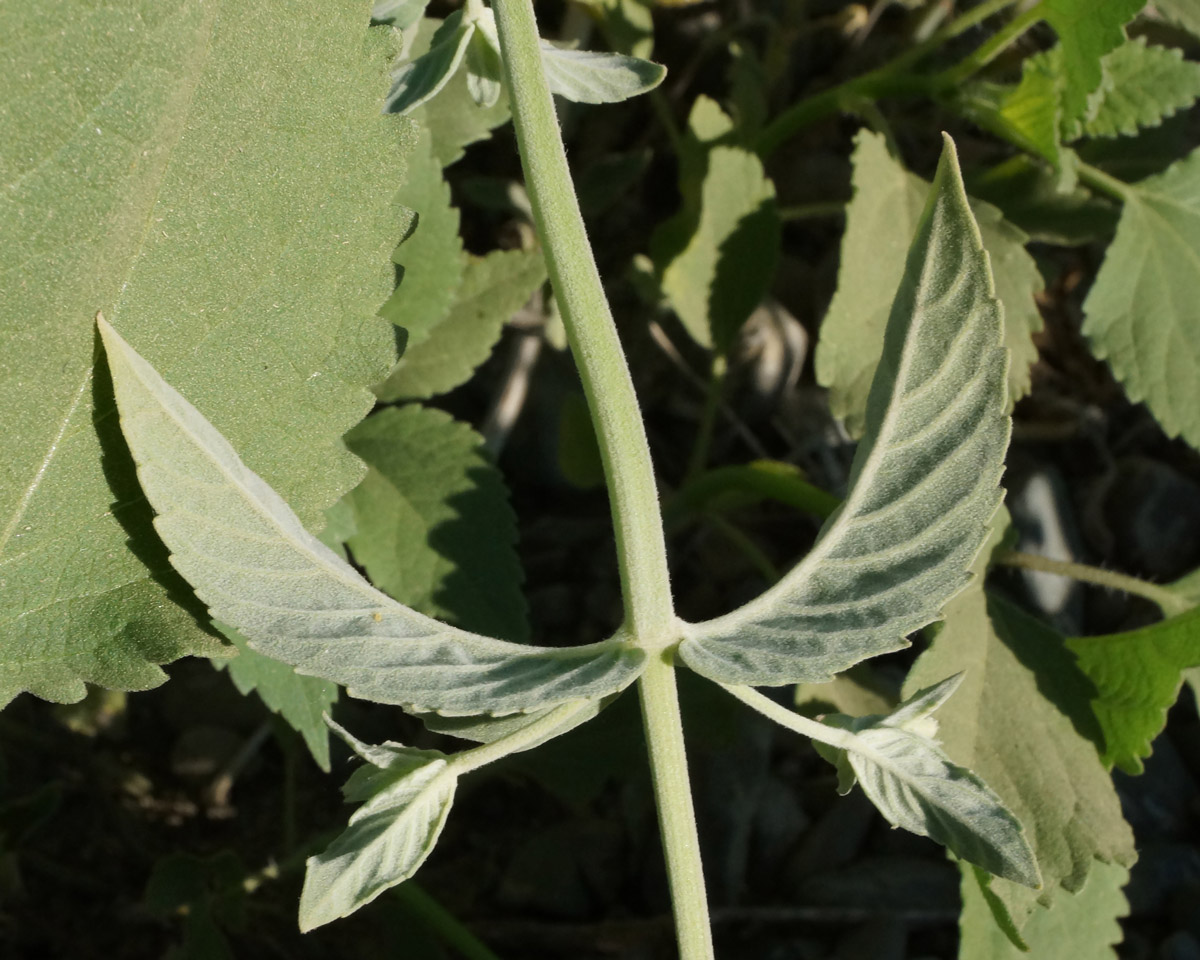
(256, 567)
(407, 796)
(923, 486)
(914, 785)
(589, 77)
(421, 79)
(485, 70)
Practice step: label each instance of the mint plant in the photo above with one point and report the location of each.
(240, 276)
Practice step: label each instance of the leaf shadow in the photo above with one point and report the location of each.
(1043, 651)
(746, 262)
(132, 510)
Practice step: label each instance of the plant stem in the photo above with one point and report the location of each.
(887, 80)
(992, 47)
(1167, 601)
(641, 548)
(1096, 178)
(792, 720)
(673, 797)
(708, 417)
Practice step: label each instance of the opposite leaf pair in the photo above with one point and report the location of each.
(925, 483)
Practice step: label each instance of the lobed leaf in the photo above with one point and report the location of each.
(1144, 86)
(880, 222)
(1083, 924)
(1186, 13)
(257, 568)
(209, 175)
(1087, 30)
(433, 524)
(493, 288)
(923, 486)
(588, 77)
(406, 797)
(1143, 312)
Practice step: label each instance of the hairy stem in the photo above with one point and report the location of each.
(992, 47)
(795, 722)
(1097, 179)
(673, 797)
(1167, 601)
(641, 548)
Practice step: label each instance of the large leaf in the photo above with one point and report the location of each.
(1143, 312)
(1021, 721)
(1085, 924)
(301, 701)
(406, 795)
(1087, 30)
(213, 177)
(254, 565)
(1144, 85)
(880, 221)
(434, 528)
(923, 486)
(1137, 676)
(493, 288)
(912, 782)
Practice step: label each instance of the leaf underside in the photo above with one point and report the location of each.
(256, 567)
(924, 484)
(222, 189)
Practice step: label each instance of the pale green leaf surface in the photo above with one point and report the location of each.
(1186, 13)
(923, 485)
(1143, 312)
(301, 701)
(431, 258)
(629, 26)
(1016, 722)
(849, 693)
(256, 567)
(1137, 676)
(493, 288)
(406, 797)
(208, 174)
(586, 76)
(1144, 86)
(717, 256)
(912, 782)
(454, 120)
(1087, 30)
(402, 14)
(434, 527)
(423, 77)
(880, 222)
(1084, 925)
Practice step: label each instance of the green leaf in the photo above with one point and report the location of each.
(209, 177)
(485, 71)
(628, 25)
(1022, 722)
(431, 258)
(1144, 86)
(717, 256)
(493, 288)
(454, 121)
(1141, 314)
(880, 221)
(422, 78)
(301, 701)
(585, 76)
(1137, 676)
(246, 554)
(923, 486)
(1087, 30)
(434, 528)
(1028, 114)
(912, 782)
(1084, 924)
(1186, 13)
(406, 795)
(402, 14)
